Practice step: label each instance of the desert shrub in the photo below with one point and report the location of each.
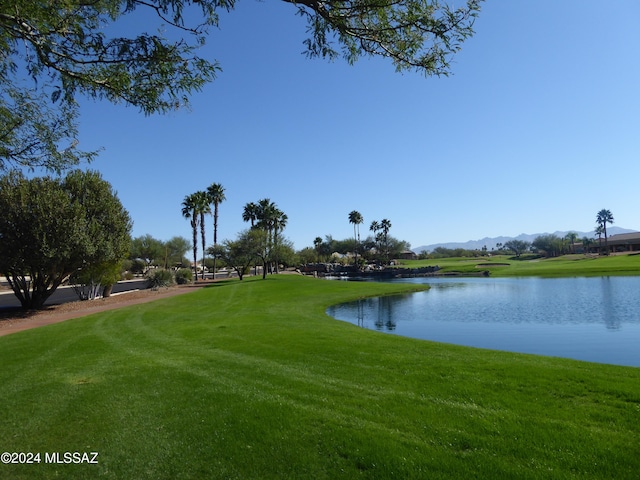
(184, 276)
(160, 278)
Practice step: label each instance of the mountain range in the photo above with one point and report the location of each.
(491, 243)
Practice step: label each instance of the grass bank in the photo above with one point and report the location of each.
(251, 380)
(563, 266)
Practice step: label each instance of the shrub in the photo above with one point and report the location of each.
(184, 276)
(160, 278)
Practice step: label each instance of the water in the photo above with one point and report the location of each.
(592, 319)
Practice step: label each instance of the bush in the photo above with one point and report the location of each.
(160, 278)
(184, 276)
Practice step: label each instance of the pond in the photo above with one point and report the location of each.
(592, 319)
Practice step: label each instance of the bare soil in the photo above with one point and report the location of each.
(16, 320)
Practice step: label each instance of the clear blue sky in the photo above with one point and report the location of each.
(536, 130)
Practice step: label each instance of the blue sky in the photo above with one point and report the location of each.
(535, 131)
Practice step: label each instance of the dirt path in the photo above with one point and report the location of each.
(16, 320)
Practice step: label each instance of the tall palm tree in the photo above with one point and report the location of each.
(250, 213)
(203, 207)
(189, 210)
(599, 231)
(266, 213)
(375, 228)
(279, 223)
(216, 197)
(385, 226)
(604, 216)
(215, 191)
(356, 218)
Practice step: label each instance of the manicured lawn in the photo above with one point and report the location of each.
(251, 380)
(563, 266)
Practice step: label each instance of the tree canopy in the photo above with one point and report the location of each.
(52, 227)
(53, 51)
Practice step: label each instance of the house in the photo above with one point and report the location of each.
(623, 242)
(407, 255)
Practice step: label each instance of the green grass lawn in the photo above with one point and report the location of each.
(563, 266)
(251, 380)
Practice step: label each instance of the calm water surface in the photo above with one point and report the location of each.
(593, 319)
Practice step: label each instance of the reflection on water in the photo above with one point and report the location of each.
(594, 319)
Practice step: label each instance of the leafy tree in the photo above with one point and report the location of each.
(308, 255)
(34, 133)
(148, 249)
(356, 219)
(518, 246)
(285, 254)
(571, 237)
(137, 266)
(603, 217)
(174, 251)
(395, 247)
(66, 48)
(586, 243)
(551, 245)
(414, 34)
(95, 280)
(239, 254)
(51, 228)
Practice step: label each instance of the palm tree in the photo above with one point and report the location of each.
(266, 214)
(279, 223)
(385, 226)
(375, 227)
(216, 197)
(250, 213)
(189, 210)
(604, 216)
(599, 231)
(356, 218)
(215, 191)
(203, 207)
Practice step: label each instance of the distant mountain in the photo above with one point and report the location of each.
(491, 242)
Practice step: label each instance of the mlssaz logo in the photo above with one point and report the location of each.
(71, 457)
